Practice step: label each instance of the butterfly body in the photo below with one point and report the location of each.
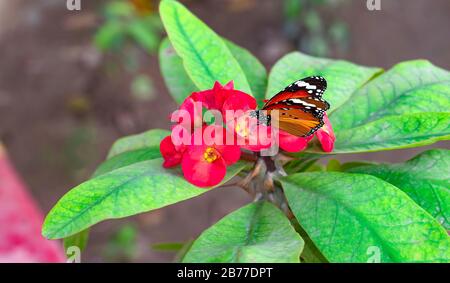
(300, 107)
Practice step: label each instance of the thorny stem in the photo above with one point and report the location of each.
(259, 183)
(248, 156)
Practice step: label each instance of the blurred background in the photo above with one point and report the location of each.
(72, 82)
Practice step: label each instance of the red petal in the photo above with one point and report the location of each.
(166, 146)
(230, 153)
(248, 134)
(217, 86)
(171, 162)
(208, 135)
(189, 114)
(326, 136)
(224, 98)
(217, 137)
(326, 141)
(260, 138)
(200, 172)
(207, 97)
(212, 98)
(169, 152)
(291, 143)
(180, 137)
(238, 100)
(229, 85)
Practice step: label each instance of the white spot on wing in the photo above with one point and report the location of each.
(304, 103)
(305, 84)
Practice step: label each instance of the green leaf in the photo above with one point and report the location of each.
(119, 9)
(354, 164)
(110, 35)
(333, 165)
(167, 247)
(404, 107)
(343, 77)
(315, 167)
(145, 35)
(123, 244)
(177, 80)
(254, 71)
(258, 232)
(142, 88)
(301, 164)
(394, 132)
(356, 217)
(127, 158)
(425, 178)
(310, 253)
(130, 190)
(292, 9)
(149, 139)
(205, 55)
(132, 149)
(79, 240)
(409, 87)
(181, 86)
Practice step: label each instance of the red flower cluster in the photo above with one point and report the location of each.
(204, 151)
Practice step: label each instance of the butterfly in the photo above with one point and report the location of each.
(300, 107)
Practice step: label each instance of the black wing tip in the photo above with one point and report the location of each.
(315, 80)
(320, 79)
(327, 105)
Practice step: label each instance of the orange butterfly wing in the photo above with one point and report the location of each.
(300, 107)
(296, 122)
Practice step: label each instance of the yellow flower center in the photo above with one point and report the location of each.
(211, 154)
(242, 129)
